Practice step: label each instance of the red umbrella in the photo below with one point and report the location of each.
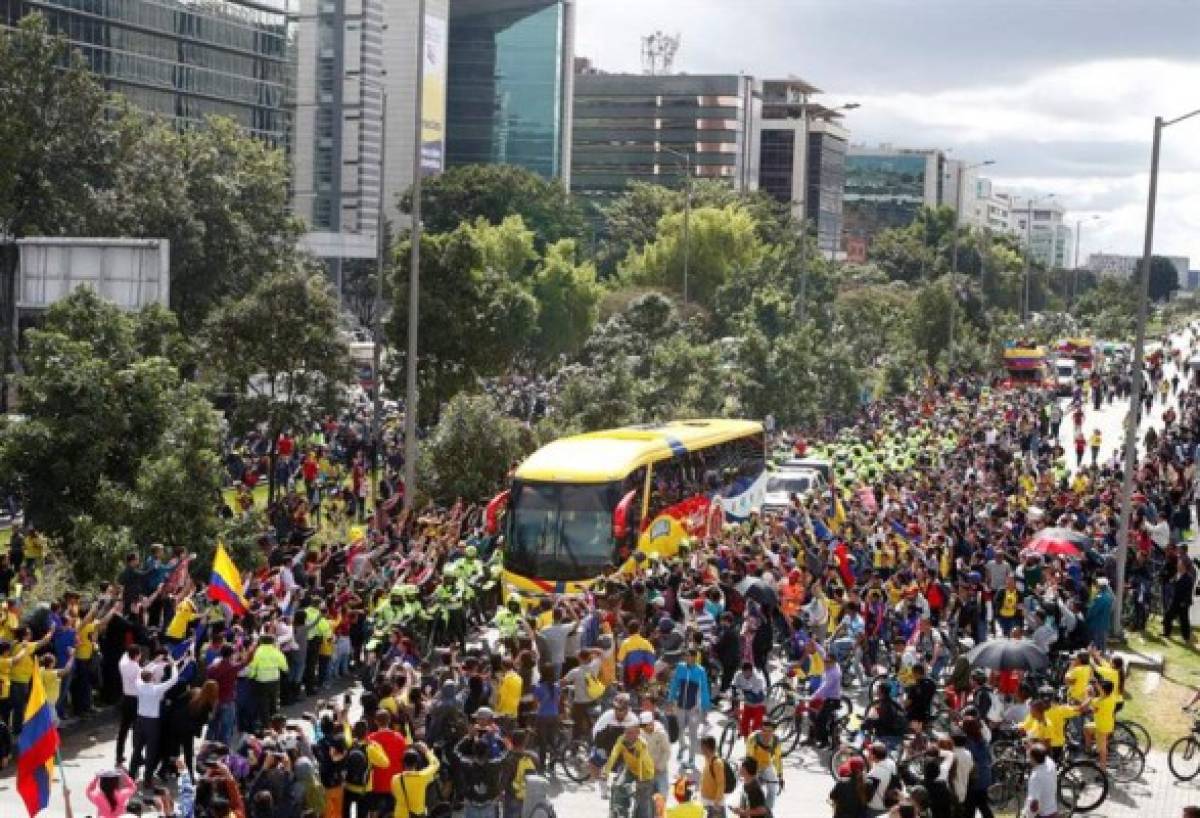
(1053, 548)
(1057, 542)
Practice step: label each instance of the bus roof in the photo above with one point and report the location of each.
(1024, 352)
(601, 457)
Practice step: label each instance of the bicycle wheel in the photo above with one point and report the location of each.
(780, 693)
(1006, 784)
(843, 754)
(1125, 761)
(1140, 734)
(1082, 785)
(573, 758)
(728, 739)
(1184, 758)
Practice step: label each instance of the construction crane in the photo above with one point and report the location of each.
(658, 52)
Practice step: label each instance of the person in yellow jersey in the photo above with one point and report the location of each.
(1078, 677)
(508, 694)
(1104, 718)
(686, 805)
(1095, 442)
(24, 665)
(52, 680)
(185, 614)
(1047, 723)
(632, 751)
(86, 672)
(1008, 606)
(409, 787)
(765, 748)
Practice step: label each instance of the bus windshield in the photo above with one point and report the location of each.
(560, 531)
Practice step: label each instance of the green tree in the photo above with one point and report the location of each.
(903, 255)
(721, 244)
(470, 450)
(277, 350)
(494, 192)
(476, 319)
(568, 299)
(56, 140)
(219, 195)
(930, 321)
(1164, 278)
(104, 417)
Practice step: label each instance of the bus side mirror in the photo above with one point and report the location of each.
(491, 515)
(622, 518)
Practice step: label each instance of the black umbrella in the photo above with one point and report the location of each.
(1008, 654)
(755, 589)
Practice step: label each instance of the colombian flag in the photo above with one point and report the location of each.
(36, 748)
(225, 584)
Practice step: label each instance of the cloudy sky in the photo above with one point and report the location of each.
(1060, 93)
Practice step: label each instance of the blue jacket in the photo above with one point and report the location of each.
(1099, 613)
(689, 687)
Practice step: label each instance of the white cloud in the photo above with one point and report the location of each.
(1013, 80)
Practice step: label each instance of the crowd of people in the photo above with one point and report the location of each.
(922, 555)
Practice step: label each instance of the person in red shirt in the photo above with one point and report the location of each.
(394, 744)
(284, 446)
(309, 470)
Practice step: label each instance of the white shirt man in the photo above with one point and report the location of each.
(883, 773)
(1042, 798)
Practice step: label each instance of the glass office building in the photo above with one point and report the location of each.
(639, 128)
(886, 188)
(508, 79)
(184, 60)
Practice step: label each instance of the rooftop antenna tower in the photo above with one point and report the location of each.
(658, 53)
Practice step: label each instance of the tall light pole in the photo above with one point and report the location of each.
(954, 257)
(411, 398)
(687, 214)
(1075, 274)
(1139, 350)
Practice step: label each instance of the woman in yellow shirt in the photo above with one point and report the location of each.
(1104, 719)
(408, 787)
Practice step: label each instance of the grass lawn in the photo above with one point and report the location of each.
(1157, 709)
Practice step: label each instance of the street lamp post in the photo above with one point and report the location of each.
(1075, 271)
(411, 398)
(687, 214)
(1139, 350)
(954, 256)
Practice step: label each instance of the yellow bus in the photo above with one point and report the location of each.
(581, 504)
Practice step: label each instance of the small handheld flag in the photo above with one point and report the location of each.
(225, 584)
(37, 747)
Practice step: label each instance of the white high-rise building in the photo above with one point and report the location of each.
(1039, 224)
(348, 53)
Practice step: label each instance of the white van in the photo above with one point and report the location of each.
(1064, 375)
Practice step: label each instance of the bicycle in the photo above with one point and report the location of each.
(1184, 756)
(1082, 785)
(568, 753)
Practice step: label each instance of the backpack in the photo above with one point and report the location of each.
(730, 776)
(358, 768)
(995, 709)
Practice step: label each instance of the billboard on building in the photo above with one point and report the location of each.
(131, 273)
(433, 101)
(876, 176)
